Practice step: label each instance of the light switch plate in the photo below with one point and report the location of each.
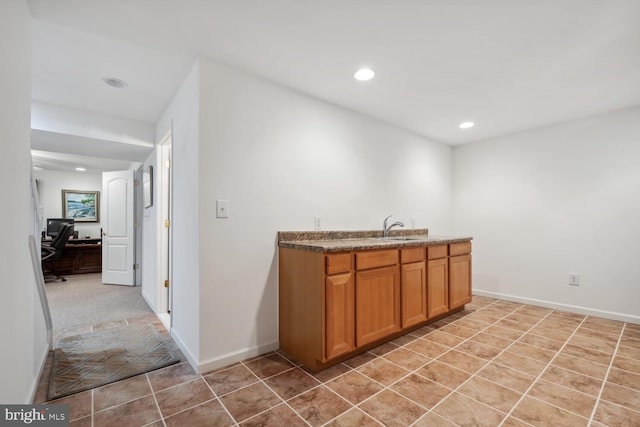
(222, 209)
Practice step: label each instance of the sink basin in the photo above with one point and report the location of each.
(403, 238)
(400, 238)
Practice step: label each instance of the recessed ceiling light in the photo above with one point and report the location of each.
(467, 125)
(114, 82)
(364, 74)
(81, 169)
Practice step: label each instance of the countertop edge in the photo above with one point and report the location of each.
(337, 245)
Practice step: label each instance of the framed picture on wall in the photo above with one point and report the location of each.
(82, 206)
(147, 186)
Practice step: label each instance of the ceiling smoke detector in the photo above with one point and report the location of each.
(114, 82)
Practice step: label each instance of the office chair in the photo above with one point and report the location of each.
(53, 252)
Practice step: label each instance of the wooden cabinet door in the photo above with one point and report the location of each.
(459, 281)
(437, 287)
(339, 315)
(414, 293)
(377, 303)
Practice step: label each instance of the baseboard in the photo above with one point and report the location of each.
(190, 358)
(236, 356)
(36, 382)
(165, 318)
(559, 306)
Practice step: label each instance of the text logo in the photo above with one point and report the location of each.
(34, 415)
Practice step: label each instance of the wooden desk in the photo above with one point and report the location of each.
(80, 256)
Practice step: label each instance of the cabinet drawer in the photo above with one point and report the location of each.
(438, 251)
(462, 248)
(338, 263)
(374, 259)
(412, 255)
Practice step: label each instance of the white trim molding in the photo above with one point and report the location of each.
(559, 306)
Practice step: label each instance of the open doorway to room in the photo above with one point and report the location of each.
(94, 323)
(165, 285)
(81, 301)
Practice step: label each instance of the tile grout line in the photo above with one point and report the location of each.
(153, 394)
(336, 393)
(353, 407)
(606, 375)
(526, 392)
(216, 397)
(453, 390)
(258, 379)
(277, 395)
(514, 341)
(473, 375)
(388, 387)
(92, 408)
(241, 363)
(413, 372)
(239, 388)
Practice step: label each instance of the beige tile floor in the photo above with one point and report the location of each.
(497, 363)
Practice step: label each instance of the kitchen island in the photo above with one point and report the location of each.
(344, 292)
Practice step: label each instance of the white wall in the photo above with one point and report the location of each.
(281, 157)
(22, 328)
(553, 201)
(70, 121)
(183, 116)
(51, 184)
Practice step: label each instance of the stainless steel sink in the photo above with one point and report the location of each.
(399, 238)
(404, 238)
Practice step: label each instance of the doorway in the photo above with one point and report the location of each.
(165, 285)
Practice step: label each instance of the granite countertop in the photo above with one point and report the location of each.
(337, 241)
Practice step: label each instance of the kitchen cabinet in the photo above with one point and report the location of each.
(437, 280)
(339, 314)
(334, 305)
(414, 286)
(339, 320)
(459, 274)
(377, 295)
(377, 304)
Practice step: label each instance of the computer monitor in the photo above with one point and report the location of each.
(53, 225)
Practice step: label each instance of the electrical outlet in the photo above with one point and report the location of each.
(574, 279)
(413, 222)
(316, 223)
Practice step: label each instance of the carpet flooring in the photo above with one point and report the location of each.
(86, 361)
(84, 301)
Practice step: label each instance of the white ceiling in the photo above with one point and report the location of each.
(507, 65)
(65, 162)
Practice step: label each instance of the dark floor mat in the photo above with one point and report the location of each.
(86, 361)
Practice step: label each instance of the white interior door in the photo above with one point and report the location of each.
(117, 228)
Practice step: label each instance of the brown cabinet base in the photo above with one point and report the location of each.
(333, 306)
(317, 366)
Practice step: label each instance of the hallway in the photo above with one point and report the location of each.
(83, 301)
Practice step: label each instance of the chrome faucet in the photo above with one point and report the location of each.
(385, 229)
